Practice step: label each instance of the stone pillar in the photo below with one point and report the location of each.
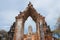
(38, 30)
(19, 30)
(41, 30)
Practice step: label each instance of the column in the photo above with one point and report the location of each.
(38, 30)
(19, 30)
(41, 29)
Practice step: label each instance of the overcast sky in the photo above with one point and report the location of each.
(11, 8)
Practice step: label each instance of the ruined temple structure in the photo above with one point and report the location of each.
(43, 31)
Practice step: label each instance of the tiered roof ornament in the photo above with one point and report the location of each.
(30, 4)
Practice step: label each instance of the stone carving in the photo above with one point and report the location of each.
(30, 30)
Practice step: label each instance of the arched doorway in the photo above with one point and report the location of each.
(22, 17)
(29, 22)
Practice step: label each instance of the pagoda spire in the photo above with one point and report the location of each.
(30, 4)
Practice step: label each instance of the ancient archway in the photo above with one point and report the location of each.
(29, 22)
(21, 18)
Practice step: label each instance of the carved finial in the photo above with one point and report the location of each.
(30, 4)
(20, 12)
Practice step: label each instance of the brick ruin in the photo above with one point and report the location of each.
(43, 31)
